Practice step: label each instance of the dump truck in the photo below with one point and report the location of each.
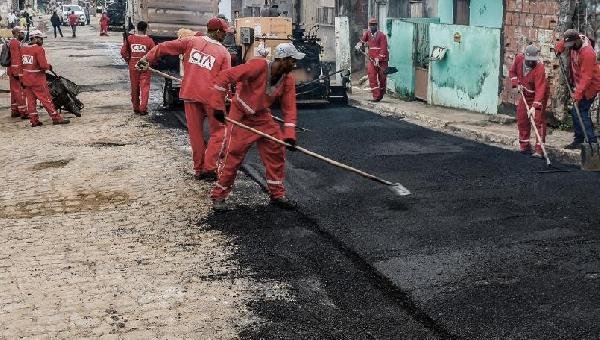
(165, 18)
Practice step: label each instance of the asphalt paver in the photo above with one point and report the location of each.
(486, 246)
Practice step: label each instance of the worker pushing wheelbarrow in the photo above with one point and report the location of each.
(64, 93)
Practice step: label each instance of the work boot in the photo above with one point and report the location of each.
(136, 112)
(60, 121)
(572, 146)
(375, 100)
(283, 203)
(36, 124)
(15, 114)
(537, 155)
(208, 176)
(143, 113)
(24, 116)
(219, 205)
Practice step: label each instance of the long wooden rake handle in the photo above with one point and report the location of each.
(537, 133)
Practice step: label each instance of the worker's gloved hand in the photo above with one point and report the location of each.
(291, 144)
(376, 62)
(358, 46)
(142, 65)
(220, 116)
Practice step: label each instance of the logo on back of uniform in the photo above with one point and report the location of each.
(27, 60)
(202, 59)
(138, 48)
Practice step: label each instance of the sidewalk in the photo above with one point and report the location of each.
(498, 130)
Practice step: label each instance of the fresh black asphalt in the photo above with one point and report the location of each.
(486, 246)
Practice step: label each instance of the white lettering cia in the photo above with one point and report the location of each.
(27, 60)
(201, 59)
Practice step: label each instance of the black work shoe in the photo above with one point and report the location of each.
(525, 152)
(537, 155)
(143, 113)
(219, 205)
(572, 146)
(25, 117)
(136, 112)
(209, 176)
(283, 203)
(60, 122)
(15, 115)
(36, 124)
(375, 100)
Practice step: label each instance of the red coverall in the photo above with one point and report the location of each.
(104, 20)
(584, 69)
(203, 59)
(536, 91)
(132, 51)
(251, 106)
(73, 22)
(18, 106)
(378, 48)
(34, 82)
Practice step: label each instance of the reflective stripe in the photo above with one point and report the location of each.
(524, 140)
(374, 48)
(274, 182)
(243, 103)
(15, 65)
(220, 186)
(513, 78)
(32, 71)
(222, 89)
(528, 90)
(289, 124)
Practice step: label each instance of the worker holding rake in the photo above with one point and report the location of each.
(528, 75)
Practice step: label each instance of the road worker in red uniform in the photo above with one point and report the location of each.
(136, 47)
(18, 107)
(73, 22)
(528, 75)
(203, 58)
(35, 66)
(259, 84)
(585, 76)
(378, 54)
(104, 20)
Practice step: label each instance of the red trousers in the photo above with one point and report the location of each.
(140, 88)
(41, 93)
(17, 97)
(238, 142)
(205, 156)
(104, 30)
(524, 126)
(377, 78)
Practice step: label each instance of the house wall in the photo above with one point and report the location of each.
(486, 13)
(468, 77)
(401, 45)
(446, 11)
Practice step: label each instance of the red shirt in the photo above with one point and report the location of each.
(104, 20)
(584, 69)
(203, 59)
(73, 19)
(255, 95)
(34, 65)
(377, 43)
(535, 83)
(136, 47)
(14, 69)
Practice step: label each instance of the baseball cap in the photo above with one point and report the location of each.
(285, 50)
(215, 24)
(570, 36)
(373, 21)
(37, 34)
(531, 53)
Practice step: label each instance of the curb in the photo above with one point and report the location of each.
(461, 130)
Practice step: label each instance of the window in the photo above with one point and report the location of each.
(461, 12)
(325, 15)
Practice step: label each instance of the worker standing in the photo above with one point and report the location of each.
(529, 76)
(104, 21)
(378, 55)
(35, 66)
(135, 48)
(259, 84)
(73, 22)
(55, 20)
(18, 106)
(203, 58)
(585, 75)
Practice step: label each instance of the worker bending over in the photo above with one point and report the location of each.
(203, 58)
(259, 84)
(135, 48)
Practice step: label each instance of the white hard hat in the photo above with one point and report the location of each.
(285, 50)
(37, 34)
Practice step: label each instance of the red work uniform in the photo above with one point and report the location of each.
(34, 82)
(104, 20)
(203, 59)
(378, 49)
(132, 51)
(73, 22)
(584, 69)
(251, 106)
(536, 92)
(18, 106)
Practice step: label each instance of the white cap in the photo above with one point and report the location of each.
(37, 34)
(285, 50)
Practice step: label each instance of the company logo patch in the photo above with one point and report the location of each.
(201, 59)
(138, 48)
(27, 60)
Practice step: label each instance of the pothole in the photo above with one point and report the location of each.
(107, 144)
(50, 205)
(51, 164)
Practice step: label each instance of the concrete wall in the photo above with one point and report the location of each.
(446, 11)
(401, 42)
(486, 13)
(468, 77)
